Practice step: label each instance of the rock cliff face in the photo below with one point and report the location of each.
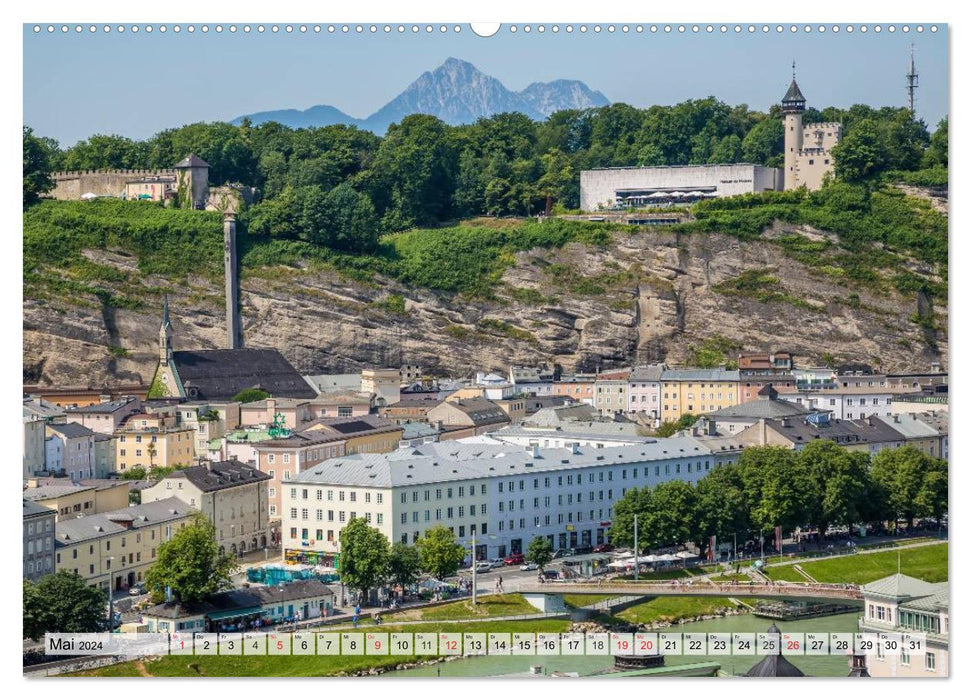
(648, 297)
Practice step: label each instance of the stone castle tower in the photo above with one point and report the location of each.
(808, 147)
(193, 172)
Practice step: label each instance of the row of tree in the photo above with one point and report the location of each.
(820, 486)
(340, 186)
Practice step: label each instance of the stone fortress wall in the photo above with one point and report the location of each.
(72, 184)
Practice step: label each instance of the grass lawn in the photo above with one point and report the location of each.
(578, 601)
(308, 665)
(927, 563)
(672, 608)
(489, 606)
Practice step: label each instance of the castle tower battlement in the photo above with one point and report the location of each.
(808, 157)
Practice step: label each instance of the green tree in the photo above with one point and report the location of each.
(37, 167)
(722, 507)
(839, 484)
(861, 153)
(365, 555)
(936, 154)
(190, 564)
(899, 473)
(403, 564)
(776, 487)
(247, 395)
(763, 143)
(932, 497)
(635, 501)
(669, 428)
(539, 551)
(440, 555)
(672, 518)
(63, 602)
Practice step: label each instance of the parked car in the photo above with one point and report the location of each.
(514, 559)
(135, 590)
(551, 575)
(530, 566)
(483, 567)
(497, 562)
(583, 549)
(560, 553)
(605, 547)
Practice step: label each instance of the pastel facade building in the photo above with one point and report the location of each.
(117, 548)
(152, 440)
(34, 446)
(233, 495)
(69, 450)
(38, 550)
(905, 605)
(503, 494)
(697, 391)
(644, 391)
(579, 387)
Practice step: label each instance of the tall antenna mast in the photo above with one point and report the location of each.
(911, 80)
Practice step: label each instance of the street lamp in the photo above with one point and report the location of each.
(637, 564)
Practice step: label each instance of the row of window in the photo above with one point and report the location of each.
(342, 516)
(40, 567)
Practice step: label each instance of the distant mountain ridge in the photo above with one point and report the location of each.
(456, 92)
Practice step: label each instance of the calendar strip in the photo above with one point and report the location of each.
(376, 643)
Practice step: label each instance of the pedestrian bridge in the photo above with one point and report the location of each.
(549, 596)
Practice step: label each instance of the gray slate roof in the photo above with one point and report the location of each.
(650, 373)
(243, 598)
(191, 161)
(454, 461)
(45, 491)
(794, 94)
(107, 407)
(71, 430)
(221, 374)
(900, 586)
(761, 408)
(35, 510)
(72, 531)
(220, 475)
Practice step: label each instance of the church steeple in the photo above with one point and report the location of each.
(165, 335)
(794, 102)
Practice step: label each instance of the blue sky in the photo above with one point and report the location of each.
(138, 84)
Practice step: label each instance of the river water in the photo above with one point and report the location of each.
(819, 666)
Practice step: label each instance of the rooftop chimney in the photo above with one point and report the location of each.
(533, 450)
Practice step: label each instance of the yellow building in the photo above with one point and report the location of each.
(117, 548)
(148, 440)
(72, 500)
(697, 391)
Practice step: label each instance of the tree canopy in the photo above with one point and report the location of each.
(63, 602)
(341, 186)
(190, 565)
(440, 555)
(364, 556)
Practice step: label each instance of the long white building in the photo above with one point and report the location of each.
(505, 495)
(612, 188)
